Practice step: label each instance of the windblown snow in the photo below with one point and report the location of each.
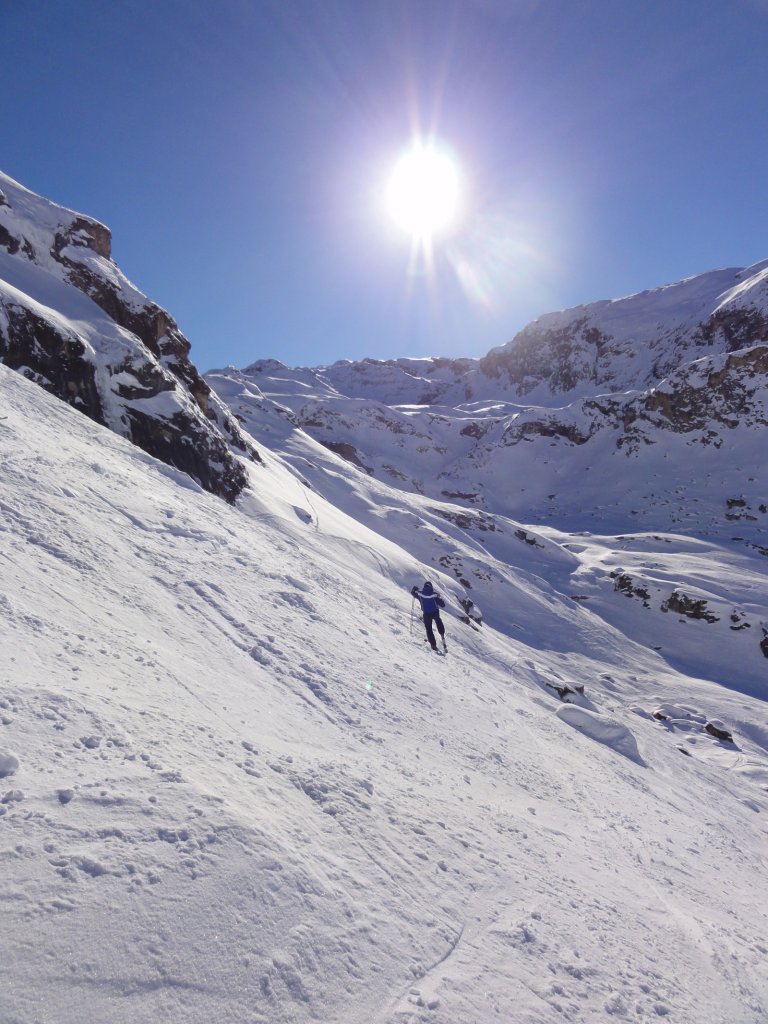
(237, 786)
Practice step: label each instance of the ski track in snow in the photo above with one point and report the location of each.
(234, 788)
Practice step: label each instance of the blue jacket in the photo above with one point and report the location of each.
(429, 599)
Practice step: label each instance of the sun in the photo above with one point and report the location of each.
(424, 192)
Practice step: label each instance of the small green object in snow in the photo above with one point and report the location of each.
(368, 685)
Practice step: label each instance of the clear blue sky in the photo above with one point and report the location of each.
(235, 149)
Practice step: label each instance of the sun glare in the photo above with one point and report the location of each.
(424, 192)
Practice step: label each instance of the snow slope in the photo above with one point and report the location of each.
(236, 787)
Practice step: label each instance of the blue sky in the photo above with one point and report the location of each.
(237, 151)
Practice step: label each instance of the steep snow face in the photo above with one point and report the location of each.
(71, 321)
(235, 785)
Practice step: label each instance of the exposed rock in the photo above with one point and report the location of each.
(476, 430)
(690, 607)
(471, 496)
(733, 328)
(527, 538)
(453, 564)
(542, 423)
(467, 520)
(716, 729)
(625, 584)
(129, 370)
(52, 357)
(563, 356)
(348, 452)
(564, 690)
(471, 610)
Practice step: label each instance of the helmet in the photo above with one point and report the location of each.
(427, 587)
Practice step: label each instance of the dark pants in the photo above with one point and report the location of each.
(429, 618)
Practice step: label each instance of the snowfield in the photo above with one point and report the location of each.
(235, 785)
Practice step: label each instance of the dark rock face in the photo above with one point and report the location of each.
(130, 371)
(625, 584)
(734, 328)
(563, 357)
(187, 445)
(348, 452)
(471, 612)
(55, 361)
(564, 690)
(635, 342)
(690, 607)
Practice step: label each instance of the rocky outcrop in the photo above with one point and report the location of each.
(625, 584)
(718, 730)
(562, 357)
(348, 452)
(51, 356)
(690, 607)
(724, 392)
(566, 690)
(637, 341)
(700, 400)
(72, 322)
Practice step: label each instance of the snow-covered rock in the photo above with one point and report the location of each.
(72, 322)
(601, 729)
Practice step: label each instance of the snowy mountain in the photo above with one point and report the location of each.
(684, 452)
(70, 320)
(235, 784)
(610, 346)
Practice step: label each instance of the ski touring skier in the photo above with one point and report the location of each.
(431, 602)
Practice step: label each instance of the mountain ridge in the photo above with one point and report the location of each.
(607, 346)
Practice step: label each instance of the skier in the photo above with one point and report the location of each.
(431, 603)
